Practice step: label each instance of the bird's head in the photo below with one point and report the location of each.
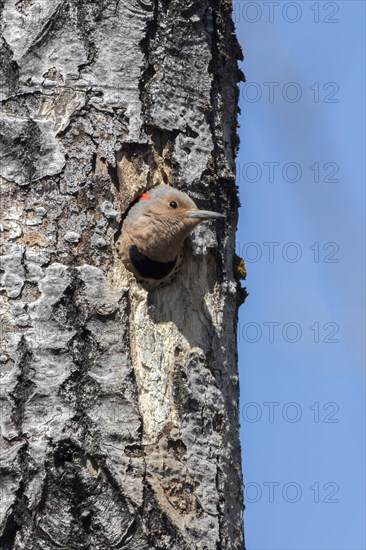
(160, 221)
(167, 204)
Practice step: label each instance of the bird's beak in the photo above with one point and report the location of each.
(203, 214)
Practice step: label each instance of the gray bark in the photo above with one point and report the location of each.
(119, 407)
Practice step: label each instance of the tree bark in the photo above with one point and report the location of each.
(119, 407)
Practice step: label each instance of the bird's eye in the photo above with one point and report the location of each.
(173, 204)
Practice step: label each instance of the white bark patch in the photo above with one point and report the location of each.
(59, 105)
(25, 23)
(48, 158)
(13, 278)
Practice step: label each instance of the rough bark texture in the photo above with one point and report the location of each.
(119, 406)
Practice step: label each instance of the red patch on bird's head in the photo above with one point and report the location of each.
(145, 197)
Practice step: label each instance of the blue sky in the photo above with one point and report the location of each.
(301, 176)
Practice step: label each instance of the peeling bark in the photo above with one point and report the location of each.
(119, 407)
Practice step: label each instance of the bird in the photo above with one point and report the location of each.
(154, 231)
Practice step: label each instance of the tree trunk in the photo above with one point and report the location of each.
(119, 406)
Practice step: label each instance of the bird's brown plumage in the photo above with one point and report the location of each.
(154, 231)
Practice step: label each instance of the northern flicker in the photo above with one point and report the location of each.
(153, 234)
